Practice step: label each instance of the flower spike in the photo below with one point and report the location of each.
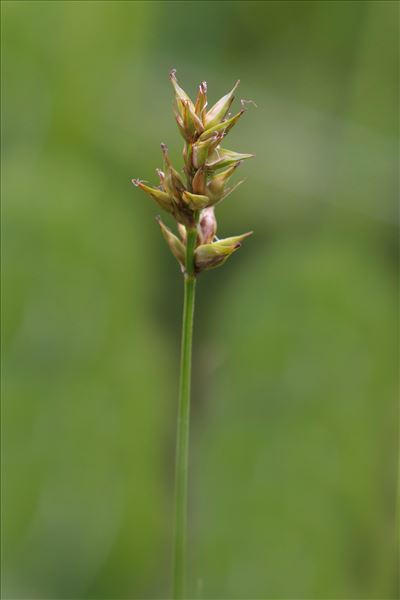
(208, 167)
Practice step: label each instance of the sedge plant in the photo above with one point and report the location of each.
(191, 197)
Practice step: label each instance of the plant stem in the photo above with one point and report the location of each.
(182, 444)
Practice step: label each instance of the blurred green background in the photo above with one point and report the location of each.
(294, 421)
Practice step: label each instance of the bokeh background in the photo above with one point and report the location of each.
(294, 420)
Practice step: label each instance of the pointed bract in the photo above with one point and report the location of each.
(175, 245)
(173, 183)
(191, 122)
(162, 198)
(216, 199)
(223, 158)
(219, 179)
(217, 112)
(195, 201)
(209, 256)
(180, 94)
(224, 126)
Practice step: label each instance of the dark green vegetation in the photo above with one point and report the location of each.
(294, 429)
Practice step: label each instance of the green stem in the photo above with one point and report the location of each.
(182, 444)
